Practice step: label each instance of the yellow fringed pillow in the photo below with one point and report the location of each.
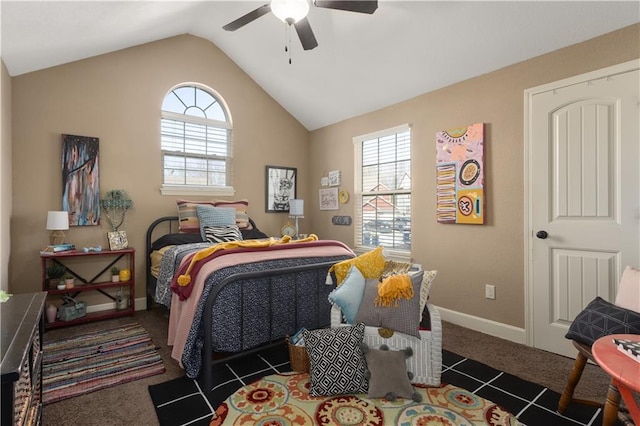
(371, 264)
(392, 289)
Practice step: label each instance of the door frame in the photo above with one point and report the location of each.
(528, 180)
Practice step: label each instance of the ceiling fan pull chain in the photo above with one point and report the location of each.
(287, 47)
(286, 37)
(287, 40)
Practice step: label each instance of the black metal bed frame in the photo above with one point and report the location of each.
(172, 222)
(318, 271)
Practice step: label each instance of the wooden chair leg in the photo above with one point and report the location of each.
(574, 378)
(610, 414)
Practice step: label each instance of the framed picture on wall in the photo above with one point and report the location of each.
(328, 198)
(118, 240)
(280, 188)
(81, 179)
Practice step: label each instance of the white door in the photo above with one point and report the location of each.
(584, 196)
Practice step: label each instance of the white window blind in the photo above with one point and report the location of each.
(383, 190)
(195, 142)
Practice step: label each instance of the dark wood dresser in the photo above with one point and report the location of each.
(22, 324)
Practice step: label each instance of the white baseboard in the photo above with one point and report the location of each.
(141, 305)
(492, 328)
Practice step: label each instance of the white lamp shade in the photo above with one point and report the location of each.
(290, 11)
(57, 221)
(296, 207)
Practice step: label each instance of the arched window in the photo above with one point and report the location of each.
(196, 143)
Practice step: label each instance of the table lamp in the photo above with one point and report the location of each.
(296, 210)
(57, 223)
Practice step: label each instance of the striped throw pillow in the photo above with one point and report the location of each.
(222, 234)
(188, 222)
(241, 206)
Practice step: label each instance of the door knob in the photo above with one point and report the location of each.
(542, 234)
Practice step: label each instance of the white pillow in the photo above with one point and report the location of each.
(427, 282)
(629, 290)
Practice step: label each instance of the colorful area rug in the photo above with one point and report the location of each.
(94, 361)
(281, 399)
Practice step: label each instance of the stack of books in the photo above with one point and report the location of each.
(297, 339)
(57, 248)
(628, 347)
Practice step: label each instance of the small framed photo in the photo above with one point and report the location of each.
(328, 199)
(334, 178)
(118, 240)
(280, 188)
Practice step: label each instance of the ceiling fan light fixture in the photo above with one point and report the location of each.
(290, 11)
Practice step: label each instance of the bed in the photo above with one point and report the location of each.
(241, 298)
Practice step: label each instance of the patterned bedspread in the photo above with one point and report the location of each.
(240, 321)
(170, 263)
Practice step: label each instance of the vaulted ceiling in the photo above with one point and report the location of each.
(363, 62)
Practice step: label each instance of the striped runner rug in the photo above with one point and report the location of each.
(93, 361)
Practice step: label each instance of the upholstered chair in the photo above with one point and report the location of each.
(598, 319)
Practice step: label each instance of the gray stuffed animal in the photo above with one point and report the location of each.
(391, 396)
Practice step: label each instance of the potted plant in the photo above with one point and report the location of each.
(55, 273)
(69, 281)
(115, 274)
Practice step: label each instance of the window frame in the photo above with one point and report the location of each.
(359, 194)
(198, 190)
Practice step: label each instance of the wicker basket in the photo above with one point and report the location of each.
(298, 357)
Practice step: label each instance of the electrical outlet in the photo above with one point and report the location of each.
(490, 291)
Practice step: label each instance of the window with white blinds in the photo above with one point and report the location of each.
(383, 190)
(197, 155)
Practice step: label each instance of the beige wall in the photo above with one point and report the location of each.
(467, 256)
(117, 97)
(5, 175)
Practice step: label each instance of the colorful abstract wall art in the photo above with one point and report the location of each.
(460, 175)
(81, 180)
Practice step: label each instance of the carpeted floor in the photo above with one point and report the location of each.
(130, 403)
(182, 401)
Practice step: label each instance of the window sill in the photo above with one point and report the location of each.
(196, 190)
(397, 255)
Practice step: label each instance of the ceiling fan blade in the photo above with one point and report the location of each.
(249, 17)
(361, 6)
(305, 33)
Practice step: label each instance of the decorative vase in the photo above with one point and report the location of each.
(121, 304)
(52, 312)
(125, 274)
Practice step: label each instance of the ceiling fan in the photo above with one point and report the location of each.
(294, 12)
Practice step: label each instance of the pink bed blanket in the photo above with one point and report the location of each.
(183, 309)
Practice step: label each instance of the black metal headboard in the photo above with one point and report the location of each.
(170, 225)
(165, 225)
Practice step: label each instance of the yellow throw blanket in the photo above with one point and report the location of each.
(392, 288)
(185, 280)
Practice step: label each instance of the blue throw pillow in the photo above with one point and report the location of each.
(601, 318)
(214, 216)
(348, 295)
